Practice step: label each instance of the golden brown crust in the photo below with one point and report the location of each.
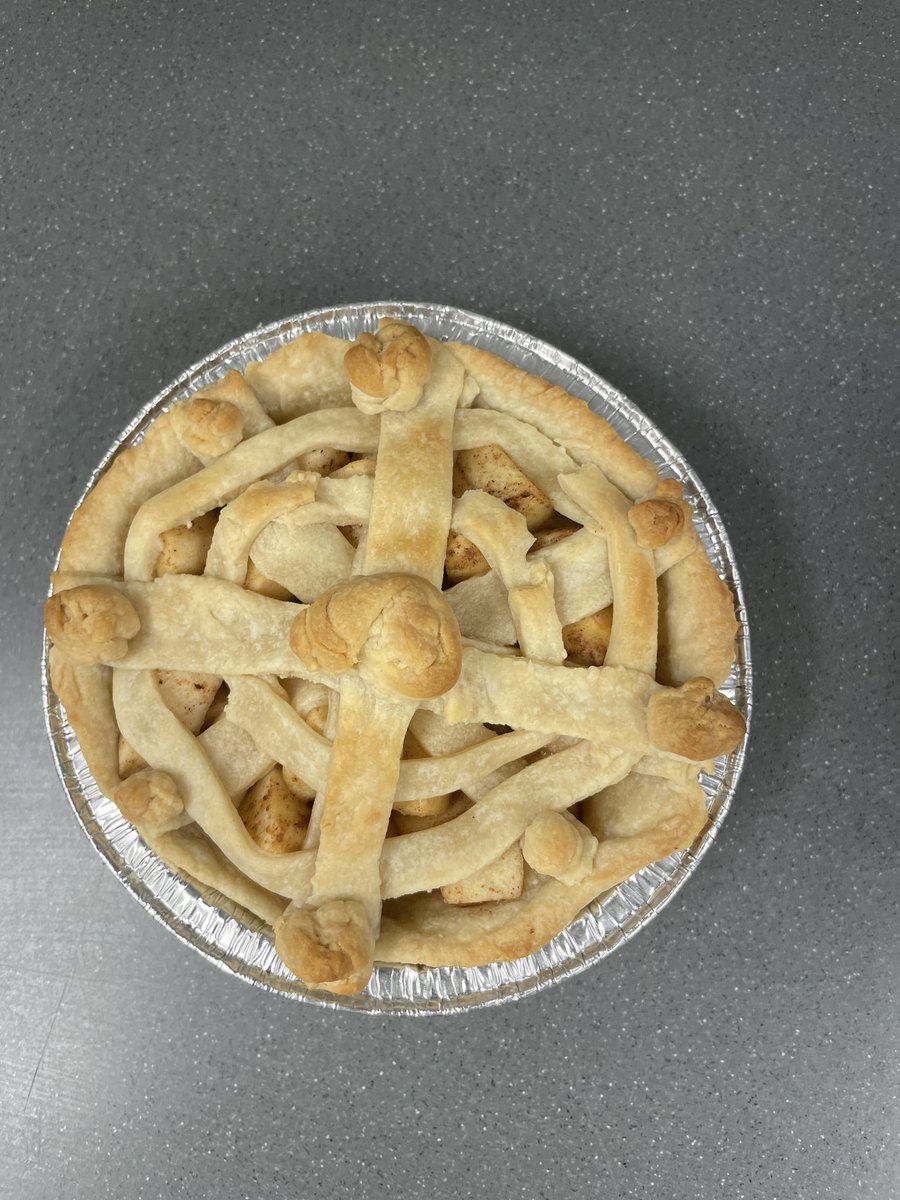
(694, 721)
(415, 460)
(655, 522)
(91, 624)
(557, 844)
(234, 390)
(330, 947)
(207, 427)
(95, 539)
(86, 695)
(421, 929)
(388, 369)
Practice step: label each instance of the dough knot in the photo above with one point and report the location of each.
(398, 628)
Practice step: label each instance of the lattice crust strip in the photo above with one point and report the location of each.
(398, 647)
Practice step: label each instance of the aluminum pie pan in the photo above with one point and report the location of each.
(239, 943)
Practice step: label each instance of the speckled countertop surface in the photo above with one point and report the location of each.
(696, 201)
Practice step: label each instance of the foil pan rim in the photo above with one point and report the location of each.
(609, 921)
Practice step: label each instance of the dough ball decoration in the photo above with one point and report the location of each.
(400, 648)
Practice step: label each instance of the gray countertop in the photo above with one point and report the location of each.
(696, 201)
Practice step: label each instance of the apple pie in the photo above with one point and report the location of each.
(396, 646)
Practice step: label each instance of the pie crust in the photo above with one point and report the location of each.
(399, 647)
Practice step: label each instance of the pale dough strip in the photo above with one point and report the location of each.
(362, 778)
(632, 642)
(281, 733)
(236, 632)
(86, 694)
(562, 417)
(412, 497)
(338, 501)
(303, 374)
(604, 705)
(229, 475)
(95, 540)
(191, 852)
(232, 631)
(430, 858)
(165, 744)
(234, 756)
(503, 537)
(304, 550)
(423, 929)
(582, 585)
(536, 455)
(346, 429)
(241, 521)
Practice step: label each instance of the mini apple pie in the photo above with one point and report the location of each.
(398, 647)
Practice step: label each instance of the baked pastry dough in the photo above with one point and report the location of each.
(398, 647)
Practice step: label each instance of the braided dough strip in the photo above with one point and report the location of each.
(563, 418)
(502, 535)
